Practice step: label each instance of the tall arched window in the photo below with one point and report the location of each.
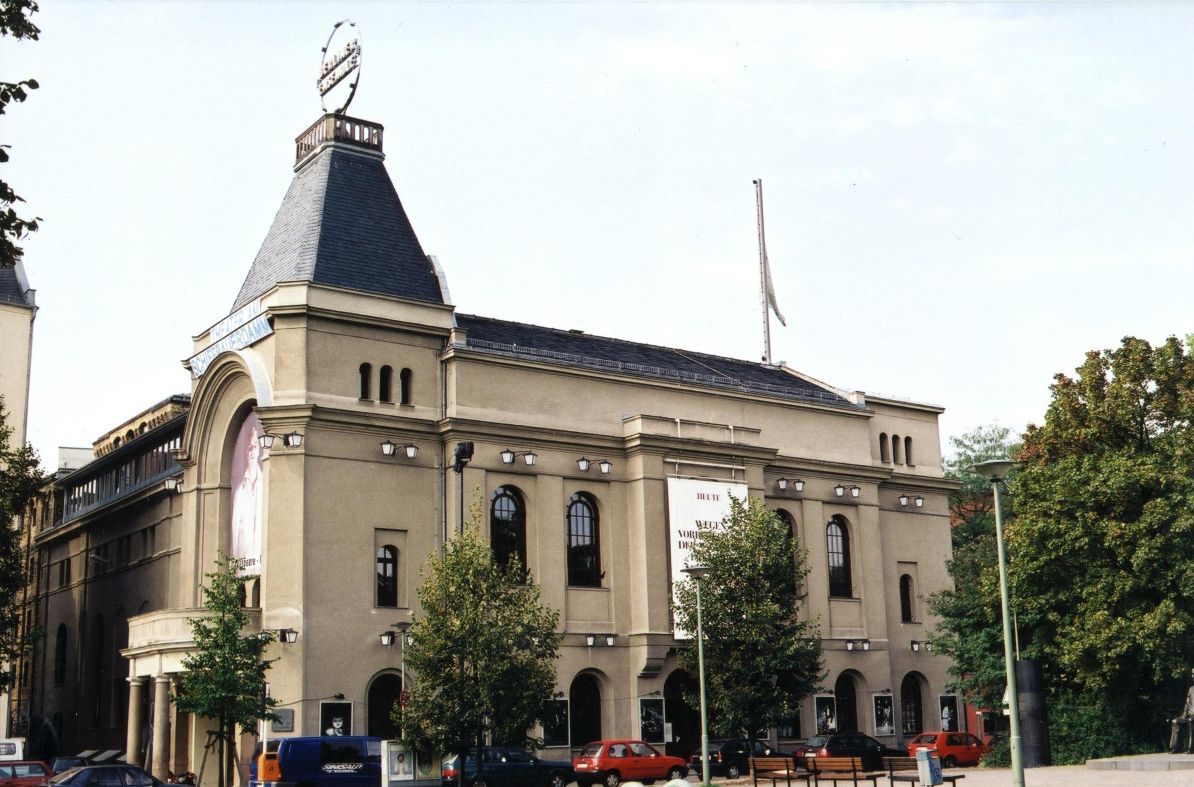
(847, 703)
(908, 451)
(385, 384)
(884, 448)
(911, 709)
(387, 576)
(383, 696)
(788, 521)
(906, 610)
(60, 655)
(584, 710)
(366, 374)
(895, 449)
(508, 526)
(404, 381)
(584, 543)
(837, 538)
(98, 678)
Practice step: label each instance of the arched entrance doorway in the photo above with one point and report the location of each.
(383, 696)
(584, 704)
(685, 720)
(847, 703)
(911, 705)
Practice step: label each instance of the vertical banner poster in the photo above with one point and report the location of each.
(826, 714)
(248, 496)
(650, 720)
(949, 712)
(693, 505)
(884, 715)
(335, 718)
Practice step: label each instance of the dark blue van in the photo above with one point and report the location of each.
(325, 761)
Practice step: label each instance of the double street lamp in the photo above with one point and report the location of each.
(698, 573)
(995, 471)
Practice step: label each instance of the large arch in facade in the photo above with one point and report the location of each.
(685, 719)
(381, 696)
(584, 708)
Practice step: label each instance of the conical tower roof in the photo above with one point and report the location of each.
(341, 222)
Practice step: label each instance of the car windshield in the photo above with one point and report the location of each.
(591, 750)
(816, 742)
(66, 776)
(925, 739)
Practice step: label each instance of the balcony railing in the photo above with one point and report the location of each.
(338, 128)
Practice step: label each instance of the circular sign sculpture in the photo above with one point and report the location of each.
(341, 62)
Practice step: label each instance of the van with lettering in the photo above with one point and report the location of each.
(324, 761)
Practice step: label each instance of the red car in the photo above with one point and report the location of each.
(24, 773)
(615, 761)
(953, 748)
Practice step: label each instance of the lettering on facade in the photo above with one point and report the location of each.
(695, 506)
(244, 327)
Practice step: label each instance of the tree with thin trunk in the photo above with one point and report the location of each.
(225, 678)
(20, 478)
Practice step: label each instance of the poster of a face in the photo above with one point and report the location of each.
(650, 713)
(248, 496)
(401, 763)
(949, 712)
(826, 715)
(335, 718)
(884, 717)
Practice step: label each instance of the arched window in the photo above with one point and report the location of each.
(884, 451)
(385, 384)
(908, 451)
(847, 703)
(895, 449)
(911, 710)
(906, 610)
(584, 710)
(60, 656)
(383, 697)
(584, 544)
(366, 373)
(837, 539)
(788, 521)
(508, 526)
(387, 576)
(404, 381)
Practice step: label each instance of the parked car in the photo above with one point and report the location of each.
(732, 758)
(103, 776)
(612, 762)
(60, 764)
(953, 748)
(504, 766)
(323, 761)
(849, 744)
(24, 773)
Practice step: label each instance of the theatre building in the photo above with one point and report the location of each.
(344, 350)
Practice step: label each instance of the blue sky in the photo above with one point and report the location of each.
(961, 199)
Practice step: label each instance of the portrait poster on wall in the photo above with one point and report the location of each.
(650, 715)
(826, 714)
(692, 505)
(248, 496)
(555, 723)
(335, 718)
(400, 762)
(949, 712)
(884, 715)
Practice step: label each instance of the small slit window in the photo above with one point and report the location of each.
(366, 372)
(908, 451)
(385, 384)
(907, 612)
(404, 382)
(884, 449)
(895, 449)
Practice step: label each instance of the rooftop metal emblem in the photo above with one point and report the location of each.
(340, 62)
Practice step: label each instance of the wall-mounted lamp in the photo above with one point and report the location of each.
(918, 501)
(173, 483)
(858, 644)
(917, 644)
(290, 440)
(287, 636)
(592, 639)
(855, 490)
(582, 464)
(796, 484)
(605, 466)
(387, 638)
(839, 490)
(508, 456)
(390, 448)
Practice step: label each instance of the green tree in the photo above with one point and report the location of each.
(15, 21)
(225, 678)
(483, 652)
(761, 657)
(20, 478)
(1101, 565)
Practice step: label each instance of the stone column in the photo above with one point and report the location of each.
(161, 726)
(132, 739)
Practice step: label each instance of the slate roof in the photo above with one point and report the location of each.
(342, 224)
(576, 349)
(11, 289)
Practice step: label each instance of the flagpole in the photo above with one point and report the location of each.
(763, 274)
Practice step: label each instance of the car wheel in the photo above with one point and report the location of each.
(613, 779)
(557, 780)
(949, 762)
(732, 771)
(677, 773)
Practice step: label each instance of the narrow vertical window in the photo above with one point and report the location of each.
(895, 449)
(387, 576)
(908, 451)
(366, 372)
(906, 610)
(884, 451)
(404, 382)
(508, 527)
(584, 545)
(60, 656)
(385, 384)
(837, 539)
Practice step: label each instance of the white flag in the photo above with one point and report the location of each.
(771, 290)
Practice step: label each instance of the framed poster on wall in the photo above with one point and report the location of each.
(335, 718)
(884, 715)
(948, 704)
(650, 720)
(826, 706)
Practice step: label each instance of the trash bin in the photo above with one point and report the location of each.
(929, 767)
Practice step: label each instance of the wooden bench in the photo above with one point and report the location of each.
(905, 769)
(842, 769)
(778, 769)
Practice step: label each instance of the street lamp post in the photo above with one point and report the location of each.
(698, 573)
(995, 471)
(403, 634)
